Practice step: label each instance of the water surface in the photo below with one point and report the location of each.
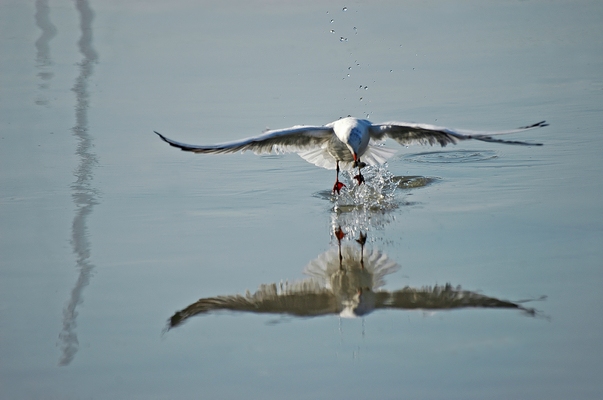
(108, 233)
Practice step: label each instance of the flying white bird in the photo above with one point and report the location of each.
(342, 144)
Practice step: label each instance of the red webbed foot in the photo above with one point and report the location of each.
(359, 164)
(337, 187)
(362, 238)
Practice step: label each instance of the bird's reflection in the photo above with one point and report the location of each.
(346, 280)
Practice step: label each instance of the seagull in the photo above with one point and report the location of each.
(343, 143)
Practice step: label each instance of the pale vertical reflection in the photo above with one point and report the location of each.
(43, 59)
(84, 195)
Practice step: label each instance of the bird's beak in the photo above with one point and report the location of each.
(355, 156)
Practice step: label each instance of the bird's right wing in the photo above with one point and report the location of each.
(306, 298)
(294, 139)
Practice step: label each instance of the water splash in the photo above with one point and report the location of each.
(368, 206)
(377, 194)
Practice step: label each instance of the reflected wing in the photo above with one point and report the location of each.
(409, 133)
(442, 298)
(304, 299)
(295, 139)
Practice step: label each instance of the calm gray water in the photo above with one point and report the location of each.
(108, 234)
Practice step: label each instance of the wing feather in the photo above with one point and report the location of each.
(294, 139)
(410, 133)
(375, 154)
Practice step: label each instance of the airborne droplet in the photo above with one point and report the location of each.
(344, 9)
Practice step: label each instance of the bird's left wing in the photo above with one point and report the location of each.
(444, 297)
(294, 139)
(409, 133)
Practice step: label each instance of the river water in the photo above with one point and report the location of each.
(129, 269)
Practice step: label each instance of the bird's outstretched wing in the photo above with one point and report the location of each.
(410, 133)
(302, 299)
(442, 298)
(294, 139)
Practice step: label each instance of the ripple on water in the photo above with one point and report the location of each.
(448, 157)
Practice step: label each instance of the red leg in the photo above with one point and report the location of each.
(339, 234)
(359, 177)
(338, 185)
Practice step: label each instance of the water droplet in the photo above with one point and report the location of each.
(332, 21)
(342, 39)
(391, 70)
(355, 30)
(361, 99)
(366, 87)
(360, 87)
(348, 75)
(344, 9)
(332, 31)
(349, 68)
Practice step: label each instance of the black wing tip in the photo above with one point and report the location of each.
(171, 143)
(540, 124)
(168, 141)
(161, 136)
(512, 142)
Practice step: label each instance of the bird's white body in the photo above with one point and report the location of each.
(348, 140)
(354, 133)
